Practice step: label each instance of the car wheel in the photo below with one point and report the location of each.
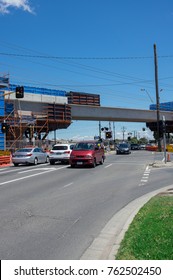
(47, 160)
(102, 161)
(51, 162)
(94, 163)
(35, 161)
(72, 165)
(15, 164)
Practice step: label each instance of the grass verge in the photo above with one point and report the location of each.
(150, 235)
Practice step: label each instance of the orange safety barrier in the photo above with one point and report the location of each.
(168, 158)
(5, 159)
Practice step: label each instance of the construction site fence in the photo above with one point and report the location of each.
(45, 145)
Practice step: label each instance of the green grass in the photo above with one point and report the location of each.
(150, 235)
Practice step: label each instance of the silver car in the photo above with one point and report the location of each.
(29, 156)
(60, 153)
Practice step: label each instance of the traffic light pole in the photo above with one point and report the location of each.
(164, 138)
(157, 99)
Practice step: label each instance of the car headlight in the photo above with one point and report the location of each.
(88, 156)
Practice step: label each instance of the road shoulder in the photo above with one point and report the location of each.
(106, 244)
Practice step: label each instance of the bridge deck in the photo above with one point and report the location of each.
(82, 112)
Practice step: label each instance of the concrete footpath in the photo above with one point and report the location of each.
(105, 246)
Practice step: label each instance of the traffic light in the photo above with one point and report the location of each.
(4, 127)
(27, 132)
(108, 134)
(19, 92)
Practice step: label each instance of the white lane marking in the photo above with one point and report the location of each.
(67, 230)
(12, 169)
(67, 185)
(127, 162)
(31, 170)
(108, 165)
(22, 178)
(3, 169)
(145, 176)
(32, 175)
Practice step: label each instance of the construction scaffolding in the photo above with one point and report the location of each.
(29, 120)
(29, 127)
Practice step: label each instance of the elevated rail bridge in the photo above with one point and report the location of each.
(93, 113)
(41, 111)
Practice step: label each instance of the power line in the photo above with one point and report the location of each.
(85, 58)
(71, 57)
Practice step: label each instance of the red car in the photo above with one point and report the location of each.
(151, 147)
(87, 153)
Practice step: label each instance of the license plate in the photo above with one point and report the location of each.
(58, 153)
(79, 162)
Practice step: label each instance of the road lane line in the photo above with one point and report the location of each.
(108, 165)
(127, 162)
(3, 169)
(13, 169)
(67, 185)
(22, 178)
(31, 170)
(29, 176)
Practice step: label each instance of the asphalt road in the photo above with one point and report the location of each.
(55, 212)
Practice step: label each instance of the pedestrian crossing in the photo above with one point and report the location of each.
(145, 176)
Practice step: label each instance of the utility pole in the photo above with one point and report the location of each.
(100, 129)
(157, 99)
(114, 131)
(164, 137)
(123, 131)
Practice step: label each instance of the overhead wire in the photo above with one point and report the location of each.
(84, 58)
(94, 69)
(64, 60)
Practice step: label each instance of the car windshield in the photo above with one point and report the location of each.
(123, 146)
(84, 146)
(24, 150)
(58, 148)
(71, 147)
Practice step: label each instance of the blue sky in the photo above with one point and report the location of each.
(104, 47)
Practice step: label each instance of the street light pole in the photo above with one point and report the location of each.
(157, 99)
(143, 89)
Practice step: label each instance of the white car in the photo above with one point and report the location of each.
(60, 153)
